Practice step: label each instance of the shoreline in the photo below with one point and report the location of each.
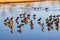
(25, 2)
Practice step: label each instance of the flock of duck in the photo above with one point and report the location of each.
(53, 20)
(25, 19)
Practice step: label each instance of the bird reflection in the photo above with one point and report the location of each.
(12, 30)
(20, 30)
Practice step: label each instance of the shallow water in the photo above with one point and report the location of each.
(27, 33)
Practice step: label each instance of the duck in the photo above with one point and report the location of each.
(12, 19)
(57, 15)
(17, 20)
(35, 8)
(38, 8)
(6, 20)
(20, 15)
(10, 24)
(26, 21)
(48, 23)
(39, 19)
(57, 26)
(34, 16)
(56, 21)
(24, 14)
(31, 24)
(54, 17)
(28, 16)
(22, 24)
(47, 19)
(42, 27)
(19, 26)
(49, 28)
(23, 21)
(50, 17)
(52, 27)
(46, 8)
(12, 30)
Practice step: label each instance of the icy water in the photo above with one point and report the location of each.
(27, 33)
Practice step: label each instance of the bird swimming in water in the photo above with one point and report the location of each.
(26, 21)
(40, 21)
(28, 16)
(46, 8)
(20, 15)
(34, 16)
(17, 20)
(42, 27)
(31, 24)
(7, 19)
(50, 17)
(12, 19)
(24, 15)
